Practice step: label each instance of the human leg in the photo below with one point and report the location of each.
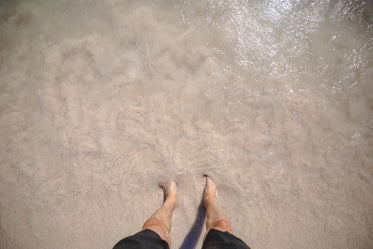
(215, 218)
(219, 234)
(160, 221)
(156, 230)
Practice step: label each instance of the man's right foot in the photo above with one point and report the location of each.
(209, 192)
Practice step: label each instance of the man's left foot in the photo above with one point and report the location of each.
(169, 190)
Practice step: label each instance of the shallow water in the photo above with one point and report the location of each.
(102, 100)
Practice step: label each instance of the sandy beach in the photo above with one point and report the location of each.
(100, 101)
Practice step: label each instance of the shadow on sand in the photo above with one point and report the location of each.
(192, 237)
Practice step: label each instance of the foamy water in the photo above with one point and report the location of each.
(102, 100)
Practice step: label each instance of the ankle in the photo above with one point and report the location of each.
(171, 202)
(209, 200)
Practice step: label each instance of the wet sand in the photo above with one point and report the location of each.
(102, 100)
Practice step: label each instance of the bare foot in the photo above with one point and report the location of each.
(169, 191)
(209, 192)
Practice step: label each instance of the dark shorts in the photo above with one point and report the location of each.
(147, 239)
(216, 239)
